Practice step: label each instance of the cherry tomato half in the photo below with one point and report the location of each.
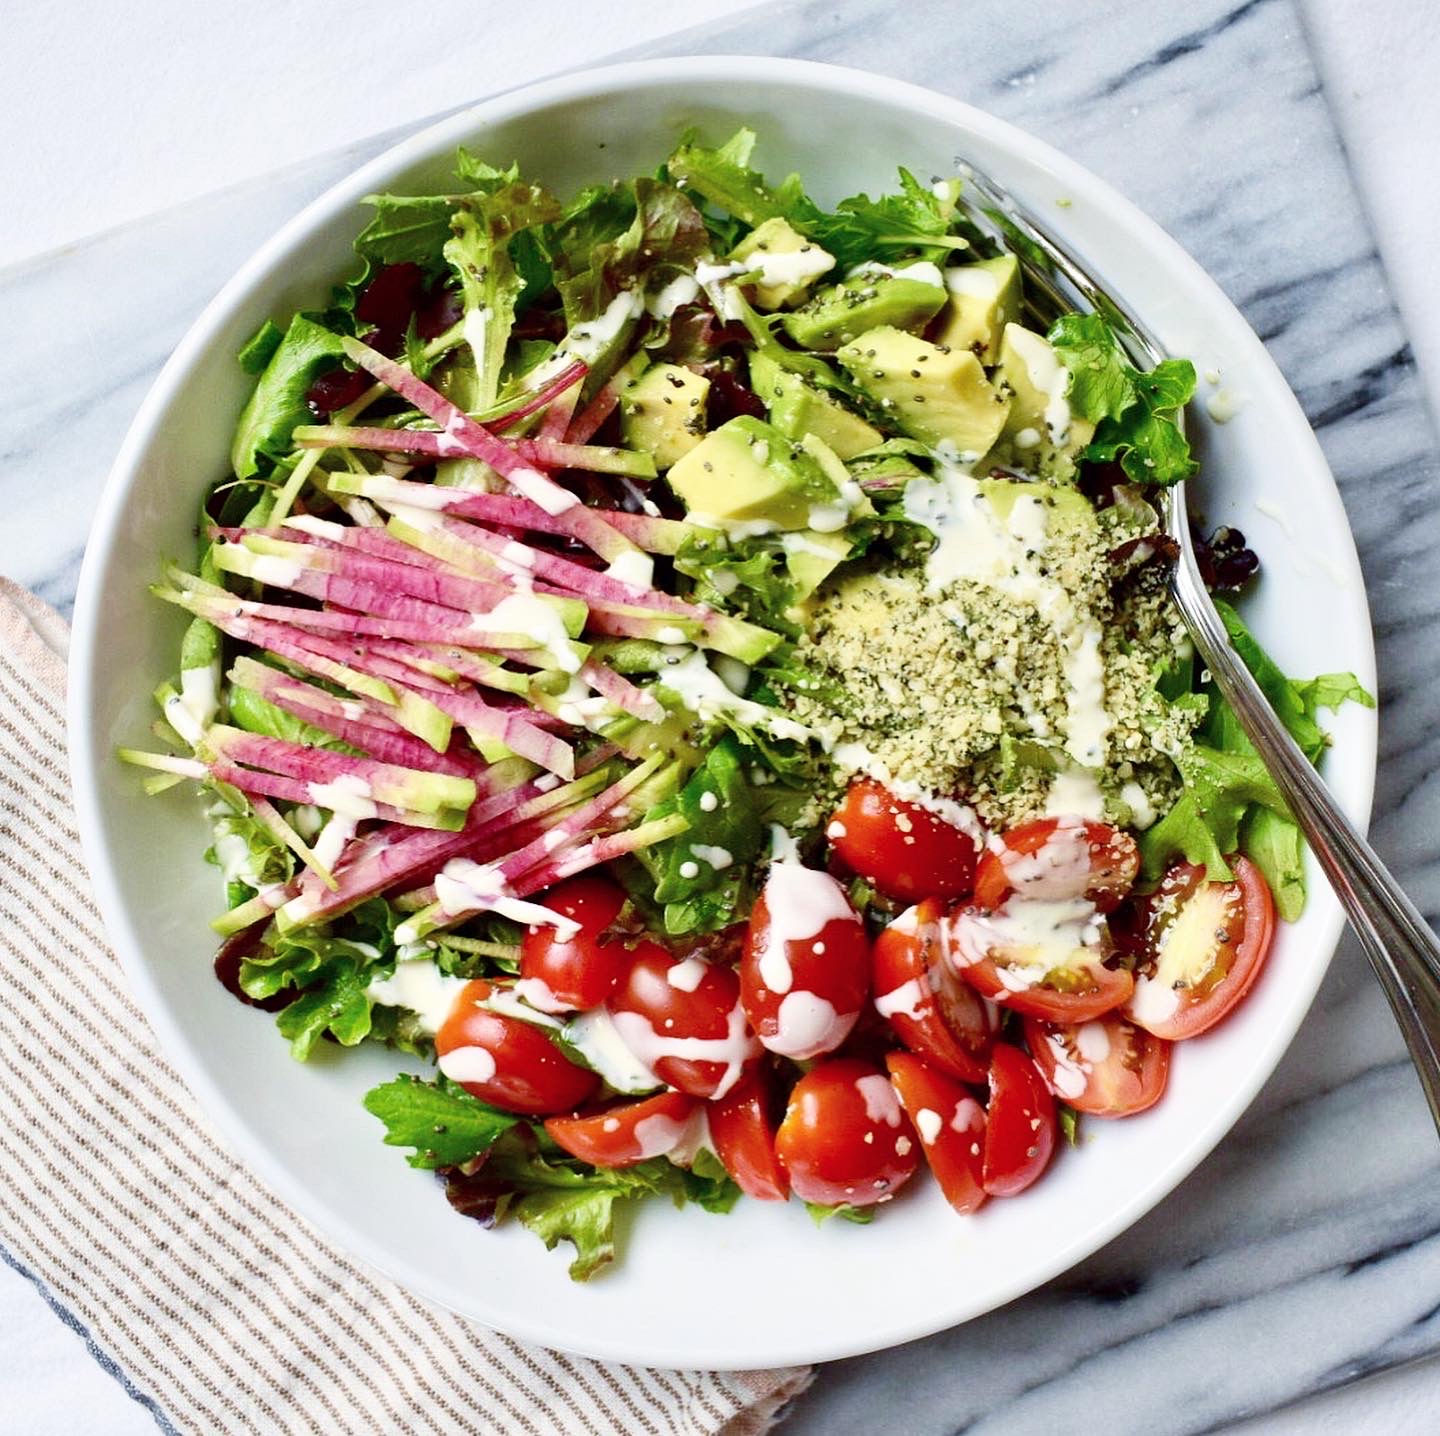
(579, 971)
(1039, 959)
(1108, 1067)
(510, 1063)
(905, 850)
(806, 970)
(627, 1133)
(1019, 1123)
(931, 1010)
(743, 1132)
(845, 1138)
(1057, 858)
(950, 1124)
(682, 1019)
(1204, 944)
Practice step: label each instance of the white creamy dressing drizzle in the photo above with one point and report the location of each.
(800, 902)
(1058, 868)
(474, 327)
(1028, 938)
(928, 1123)
(275, 570)
(707, 695)
(588, 340)
(1224, 404)
(972, 281)
(1153, 1001)
(200, 693)
(536, 993)
(882, 1106)
(349, 794)
(633, 568)
(855, 757)
(910, 999)
(670, 297)
(687, 975)
(793, 269)
(715, 279)
(694, 1137)
(1070, 1077)
(594, 1036)
(529, 614)
(1142, 810)
(973, 544)
(719, 858)
(649, 1047)
(420, 987)
(237, 862)
(922, 271)
(807, 1025)
(465, 886)
(1047, 374)
(658, 1134)
(180, 716)
(332, 839)
(468, 1064)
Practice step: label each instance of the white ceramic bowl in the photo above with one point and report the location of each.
(761, 1286)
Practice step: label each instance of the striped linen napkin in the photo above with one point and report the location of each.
(219, 1307)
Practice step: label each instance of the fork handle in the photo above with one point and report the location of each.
(1399, 943)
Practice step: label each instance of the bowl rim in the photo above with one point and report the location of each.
(87, 752)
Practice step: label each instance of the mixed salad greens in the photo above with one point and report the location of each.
(681, 652)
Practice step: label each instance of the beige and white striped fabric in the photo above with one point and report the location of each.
(218, 1307)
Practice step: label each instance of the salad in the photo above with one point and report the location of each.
(694, 669)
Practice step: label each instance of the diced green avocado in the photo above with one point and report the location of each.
(663, 412)
(747, 471)
(840, 313)
(811, 557)
(983, 299)
(789, 263)
(797, 407)
(936, 395)
(1030, 371)
(1067, 507)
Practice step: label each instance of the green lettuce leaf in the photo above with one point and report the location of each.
(483, 225)
(1134, 413)
(405, 229)
(561, 1199)
(914, 220)
(820, 1213)
(664, 233)
(1230, 803)
(278, 403)
(259, 349)
(723, 177)
(337, 1005)
(256, 714)
(444, 1124)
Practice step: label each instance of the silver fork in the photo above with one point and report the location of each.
(1400, 945)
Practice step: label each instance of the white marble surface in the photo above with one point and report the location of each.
(1304, 1252)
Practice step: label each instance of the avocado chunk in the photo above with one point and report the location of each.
(811, 557)
(936, 395)
(788, 263)
(748, 472)
(1042, 434)
(663, 412)
(1067, 507)
(840, 313)
(983, 299)
(798, 407)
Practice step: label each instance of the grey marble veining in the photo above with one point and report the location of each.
(1306, 1250)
